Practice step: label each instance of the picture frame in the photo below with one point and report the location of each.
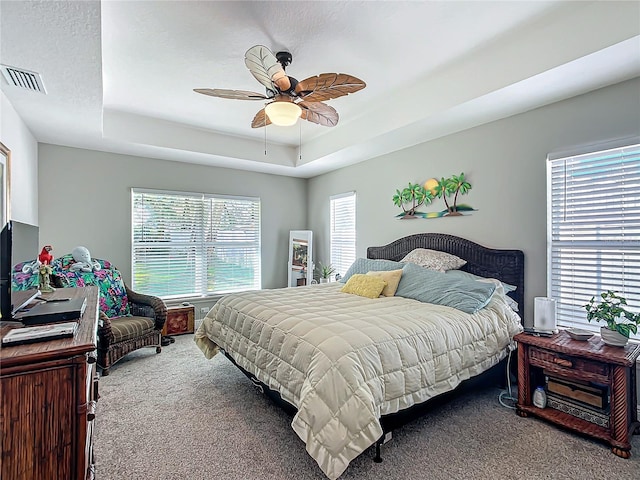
(5, 184)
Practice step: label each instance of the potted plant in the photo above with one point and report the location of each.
(325, 272)
(620, 321)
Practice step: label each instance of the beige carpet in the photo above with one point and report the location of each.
(179, 416)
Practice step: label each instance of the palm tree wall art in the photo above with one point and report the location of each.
(415, 195)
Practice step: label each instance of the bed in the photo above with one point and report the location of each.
(345, 363)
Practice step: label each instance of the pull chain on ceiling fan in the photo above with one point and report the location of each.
(288, 98)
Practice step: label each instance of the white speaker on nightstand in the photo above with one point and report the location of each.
(544, 314)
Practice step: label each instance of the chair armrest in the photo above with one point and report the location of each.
(144, 305)
(105, 334)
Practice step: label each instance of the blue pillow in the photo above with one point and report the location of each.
(365, 265)
(459, 273)
(431, 286)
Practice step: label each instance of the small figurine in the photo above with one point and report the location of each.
(45, 271)
(83, 261)
(46, 257)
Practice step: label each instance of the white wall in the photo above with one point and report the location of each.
(505, 163)
(15, 135)
(86, 200)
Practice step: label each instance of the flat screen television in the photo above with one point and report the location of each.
(18, 243)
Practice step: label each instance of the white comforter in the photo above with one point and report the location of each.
(344, 360)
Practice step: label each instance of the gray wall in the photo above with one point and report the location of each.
(15, 135)
(86, 200)
(505, 163)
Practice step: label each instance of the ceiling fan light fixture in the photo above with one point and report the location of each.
(283, 113)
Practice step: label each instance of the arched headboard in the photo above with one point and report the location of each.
(505, 265)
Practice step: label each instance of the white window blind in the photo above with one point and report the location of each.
(594, 230)
(194, 244)
(343, 231)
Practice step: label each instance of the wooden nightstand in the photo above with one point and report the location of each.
(612, 369)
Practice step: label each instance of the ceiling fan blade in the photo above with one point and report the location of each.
(232, 94)
(260, 120)
(264, 66)
(319, 113)
(327, 86)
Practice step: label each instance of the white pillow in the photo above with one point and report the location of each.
(434, 260)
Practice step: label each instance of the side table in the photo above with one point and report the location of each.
(591, 361)
(180, 320)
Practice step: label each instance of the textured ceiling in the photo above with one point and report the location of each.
(120, 75)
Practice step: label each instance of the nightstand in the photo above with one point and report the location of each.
(611, 369)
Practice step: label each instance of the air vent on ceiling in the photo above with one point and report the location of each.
(23, 78)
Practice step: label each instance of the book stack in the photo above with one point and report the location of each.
(584, 400)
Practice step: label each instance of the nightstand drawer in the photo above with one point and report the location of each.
(554, 360)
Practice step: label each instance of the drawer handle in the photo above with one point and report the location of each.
(562, 362)
(91, 411)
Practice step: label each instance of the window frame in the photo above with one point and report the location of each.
(570, 306)
(202, 262)
(339, 264)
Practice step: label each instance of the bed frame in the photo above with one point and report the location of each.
(504, 265)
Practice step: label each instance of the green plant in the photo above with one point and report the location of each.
(612, 311)
(325, 271)
(413, 195)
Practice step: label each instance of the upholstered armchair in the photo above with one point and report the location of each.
(128, 320)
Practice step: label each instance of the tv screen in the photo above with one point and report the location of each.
(25, 242)
(18, 243)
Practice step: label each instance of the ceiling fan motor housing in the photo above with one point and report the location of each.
(292, 89)
(284, 58)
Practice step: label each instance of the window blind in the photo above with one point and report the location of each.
(594, 230)
(194, 244)
(343, 231)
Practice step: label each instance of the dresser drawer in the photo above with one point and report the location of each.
(568, 364)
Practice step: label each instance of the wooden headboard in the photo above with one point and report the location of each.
(505, 265)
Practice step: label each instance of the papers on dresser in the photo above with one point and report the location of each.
(39, 333)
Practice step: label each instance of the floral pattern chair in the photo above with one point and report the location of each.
(128, 320)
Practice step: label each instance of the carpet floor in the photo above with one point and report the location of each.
(178, 416)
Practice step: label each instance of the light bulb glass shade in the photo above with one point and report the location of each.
(284, 114)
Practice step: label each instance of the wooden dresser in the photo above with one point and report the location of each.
(48, 396)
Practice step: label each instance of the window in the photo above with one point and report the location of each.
(343, 231)
(594, 230)
(194, 244)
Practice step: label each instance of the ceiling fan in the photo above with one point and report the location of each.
(288, 98)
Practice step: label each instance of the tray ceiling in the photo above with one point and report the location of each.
(119, 75)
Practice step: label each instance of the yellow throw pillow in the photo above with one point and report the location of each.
(392, 277)
(364, 285)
